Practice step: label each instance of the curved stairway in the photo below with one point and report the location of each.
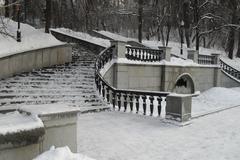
(72, 84)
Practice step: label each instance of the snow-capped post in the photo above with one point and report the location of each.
(18, 17)
(179, 107)
(193, 55)
(181, 34)
(120, 47)
(216, 59)
(166, 52)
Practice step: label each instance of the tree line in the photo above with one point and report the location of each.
(207, 23)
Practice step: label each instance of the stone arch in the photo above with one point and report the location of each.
(184, 84)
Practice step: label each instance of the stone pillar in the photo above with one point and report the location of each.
(166, 52)
(60, 123)
(193, 55)
(120, 49)
(217, 76)
(179, 107)
(216, 58)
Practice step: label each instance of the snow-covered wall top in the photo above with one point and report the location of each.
(15, 122)
(31, 39)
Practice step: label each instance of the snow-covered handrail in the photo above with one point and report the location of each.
(144, 54)
(123, 97)
(230, 70)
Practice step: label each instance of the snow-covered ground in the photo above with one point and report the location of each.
(62, 153)
(31, 39)
(84, 36)
(215, 99)
(123, 136)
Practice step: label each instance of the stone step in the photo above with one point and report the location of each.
(72, 84)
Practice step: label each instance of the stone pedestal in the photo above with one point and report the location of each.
(193, 55)
(166, 52)
(60, 123)
(216, 58)
(179, 107)
(120, 49)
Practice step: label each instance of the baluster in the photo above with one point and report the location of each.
(103, 90)
(113, 99)
(151, 98)
(125, 102)
(99, 87)
(127, 53)
(159, 99)
(137, 103)
(108, 94)
(139, 56)
(144, 104)
(119, 101)
(131, 102)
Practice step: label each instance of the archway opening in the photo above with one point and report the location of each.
(184, 84)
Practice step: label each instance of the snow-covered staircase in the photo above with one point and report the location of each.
(72, 84)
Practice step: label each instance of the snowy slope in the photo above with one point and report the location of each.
(31, 39)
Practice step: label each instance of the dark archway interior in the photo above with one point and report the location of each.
(184, 85)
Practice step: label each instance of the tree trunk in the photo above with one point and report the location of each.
(14, 9)
(186, 19)
(231, 37)
(196, 19)
(7, 8)
(48, 15)
(238, 51)
(25, 10)
(140, 19)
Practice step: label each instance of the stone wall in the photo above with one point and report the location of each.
(227, 81)
(160, 77)
(27, 152)
(60, 129)
(34, 59)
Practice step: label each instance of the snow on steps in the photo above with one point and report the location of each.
(71, 84)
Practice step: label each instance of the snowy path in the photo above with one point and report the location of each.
(72, 84)
(121, 136)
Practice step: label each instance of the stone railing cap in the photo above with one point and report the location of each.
(48, 109)
(118, 41)
(161, 47)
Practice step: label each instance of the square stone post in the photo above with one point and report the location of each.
(193, 55)
(166, 52)
(216, 58)
(120, 48)
(179, 107)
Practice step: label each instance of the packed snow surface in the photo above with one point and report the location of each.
(84, 36)
(46, 109)
(215, 99)
(14, 122)
(123, 136)
(62, 153)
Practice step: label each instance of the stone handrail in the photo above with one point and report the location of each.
(230, 70)
(144, 54)
(123, 97)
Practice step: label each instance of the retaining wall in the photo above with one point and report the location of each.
(160, 77)
(35, 59)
